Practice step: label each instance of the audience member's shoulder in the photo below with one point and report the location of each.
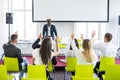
(5, 45)
(18, 48)
(36, 50)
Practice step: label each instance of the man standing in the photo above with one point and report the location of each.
(49, 29)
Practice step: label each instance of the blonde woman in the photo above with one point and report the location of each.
(86, 54)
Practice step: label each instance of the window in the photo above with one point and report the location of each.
(22, 19)
(93, 28)
(86, 29)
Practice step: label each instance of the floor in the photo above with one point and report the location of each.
(59, 73)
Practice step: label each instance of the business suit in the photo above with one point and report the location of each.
(52, 31)
(11, 50)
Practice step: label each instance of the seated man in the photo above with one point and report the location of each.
(10, 50)
(107, 48)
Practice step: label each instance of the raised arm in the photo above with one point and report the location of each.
(57, 48)
(72, 42)
(35, 44)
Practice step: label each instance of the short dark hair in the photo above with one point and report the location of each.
(48, 19)
(13, 37)
(108, 36)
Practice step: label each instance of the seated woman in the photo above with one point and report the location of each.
(37, 45)
(86, 54)
(44, 54)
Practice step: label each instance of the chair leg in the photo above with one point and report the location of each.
(21, 73)
(54, 75)
(14, 78)
(65, 72)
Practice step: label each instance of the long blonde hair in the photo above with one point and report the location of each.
(88, 51)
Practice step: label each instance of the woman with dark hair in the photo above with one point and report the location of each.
(44, 54)
(45, 51)
(37, 45)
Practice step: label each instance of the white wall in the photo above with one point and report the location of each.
(113, 26)
(3, 25)
(63, 29)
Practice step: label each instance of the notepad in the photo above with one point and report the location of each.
(63, 60)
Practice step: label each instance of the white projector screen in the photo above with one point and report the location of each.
(71, 10)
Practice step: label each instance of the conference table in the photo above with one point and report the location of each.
(61, 63)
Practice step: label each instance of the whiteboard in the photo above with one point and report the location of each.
(70, 10)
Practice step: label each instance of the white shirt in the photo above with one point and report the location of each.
(49, 27)
(37, 57)
(107, 48)
(79, 56)
(70, 53)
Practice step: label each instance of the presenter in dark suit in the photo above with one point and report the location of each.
(49, 29)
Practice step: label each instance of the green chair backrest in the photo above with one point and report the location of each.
(50, 66)
(62, 46)
(105, 61)
(3, 73)
(33, 79)
(79, 78)
(71, 64)
(84, 71)
(36, 71)
(11, 64)
(79, 40)
(112, 72)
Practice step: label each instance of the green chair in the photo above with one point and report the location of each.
(71, 64)
(12, 64)
(4, 75)
(32, 79)
(105, 61)
(37, 71)
(112, 72)
(51, 68)
(62, 46)
(84, 71)
(78, 78)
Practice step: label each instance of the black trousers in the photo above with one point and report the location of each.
(54, 60)
(99, 74)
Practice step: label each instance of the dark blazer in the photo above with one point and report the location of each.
(11, 50)
(52, 31)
